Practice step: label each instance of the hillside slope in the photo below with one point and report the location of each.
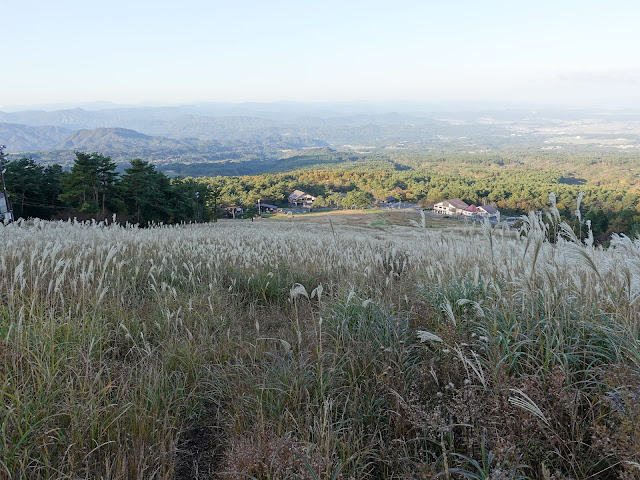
(112, 139)
(25, 138)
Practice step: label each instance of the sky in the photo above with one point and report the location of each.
(562, 52)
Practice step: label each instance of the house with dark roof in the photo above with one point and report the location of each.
(267, 208)
(301, 199)
(489, 211)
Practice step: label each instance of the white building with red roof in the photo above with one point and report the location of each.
(457, 207)
(470, 211)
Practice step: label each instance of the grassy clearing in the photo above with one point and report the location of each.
(293, 350)
(370, 218)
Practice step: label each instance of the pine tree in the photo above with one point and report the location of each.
(146, 193)
(90, 183)
(24, 179)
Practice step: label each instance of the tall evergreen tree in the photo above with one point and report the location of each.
(146, 193)
(24, 179)
(90, 184)
(52, 187)
(190, 200)
(107, 184)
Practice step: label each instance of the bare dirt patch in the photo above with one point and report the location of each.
(201, 450)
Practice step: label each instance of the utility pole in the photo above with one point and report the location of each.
(7, 215)
(197, 206)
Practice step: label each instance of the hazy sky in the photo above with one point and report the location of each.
(563, 51)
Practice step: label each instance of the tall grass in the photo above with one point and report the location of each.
(303, 351)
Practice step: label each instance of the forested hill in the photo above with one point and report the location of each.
(112, 139)
(24, 138)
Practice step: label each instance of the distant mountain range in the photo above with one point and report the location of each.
(210, 133)
(129, 131)
(153, 120)
(122, 145)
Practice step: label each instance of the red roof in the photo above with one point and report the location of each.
(471, 208)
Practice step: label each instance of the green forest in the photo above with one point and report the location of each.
(93, 189)
(514, 191)
(96, 187)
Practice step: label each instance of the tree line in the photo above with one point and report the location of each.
(94, 188)
(514, 190)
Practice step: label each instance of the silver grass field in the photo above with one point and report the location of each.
(274, 350)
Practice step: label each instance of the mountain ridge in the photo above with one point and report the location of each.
(25, 138)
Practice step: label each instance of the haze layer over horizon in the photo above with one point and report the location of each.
(573, 53)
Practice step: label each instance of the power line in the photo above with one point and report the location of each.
(32, 204)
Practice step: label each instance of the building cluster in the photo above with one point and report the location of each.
(457, 207)
(454, 207)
